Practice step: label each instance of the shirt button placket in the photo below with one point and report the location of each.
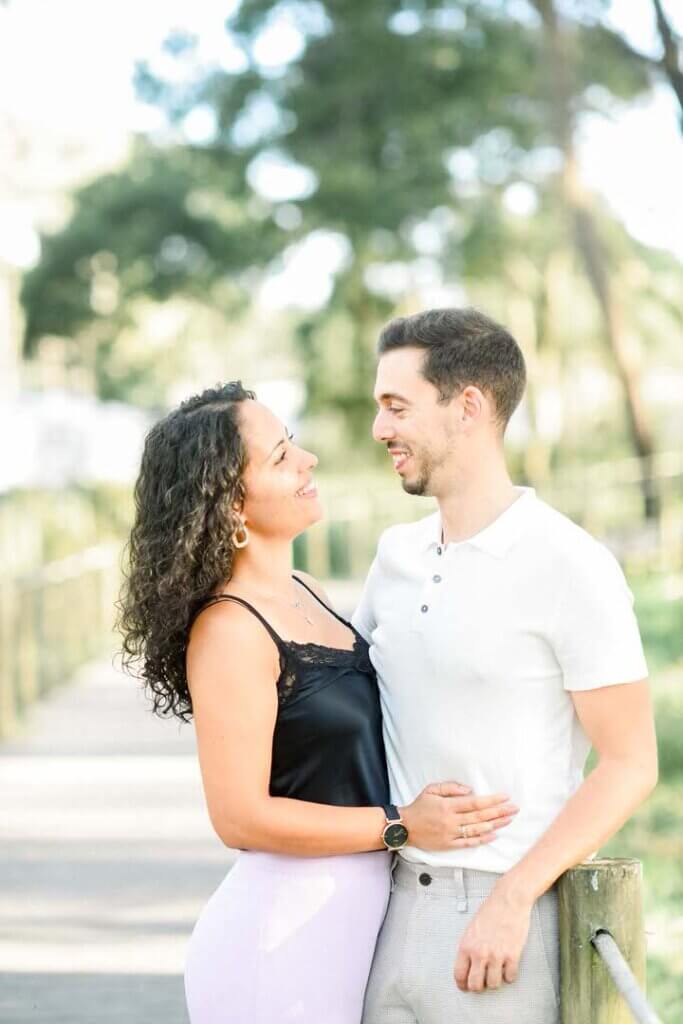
(436, 578)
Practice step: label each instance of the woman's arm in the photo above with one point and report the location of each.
(232, 669)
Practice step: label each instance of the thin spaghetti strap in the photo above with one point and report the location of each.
(245, 604)
(320, 600)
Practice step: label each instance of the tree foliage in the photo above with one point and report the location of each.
(411, 121)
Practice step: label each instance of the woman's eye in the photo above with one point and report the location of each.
(290, 437)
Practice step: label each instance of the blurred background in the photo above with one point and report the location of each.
(197, 193)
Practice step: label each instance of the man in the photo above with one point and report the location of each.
(505, 644)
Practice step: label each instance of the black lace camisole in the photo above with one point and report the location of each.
(327, 742)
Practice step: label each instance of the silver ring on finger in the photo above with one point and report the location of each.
(464, 832)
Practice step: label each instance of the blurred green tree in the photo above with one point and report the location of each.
(146, 232)
(408, 122)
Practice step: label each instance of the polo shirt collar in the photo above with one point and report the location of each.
(498, 537)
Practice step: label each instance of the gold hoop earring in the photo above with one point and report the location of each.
(245, 536)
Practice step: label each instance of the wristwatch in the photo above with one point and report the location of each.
(395, 834)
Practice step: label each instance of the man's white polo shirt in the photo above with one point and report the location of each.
(476, 645)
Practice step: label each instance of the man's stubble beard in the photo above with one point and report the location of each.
(420, 487)
(428, 473)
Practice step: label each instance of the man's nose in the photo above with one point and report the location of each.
(381, 428)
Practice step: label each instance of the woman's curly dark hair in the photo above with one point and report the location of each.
(180, 547)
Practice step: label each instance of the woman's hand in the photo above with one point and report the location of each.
(447, 816)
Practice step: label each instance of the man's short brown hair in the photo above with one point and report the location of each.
(463, 346)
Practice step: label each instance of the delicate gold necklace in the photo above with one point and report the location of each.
(299, 607)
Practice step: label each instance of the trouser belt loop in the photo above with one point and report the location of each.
(460, 892)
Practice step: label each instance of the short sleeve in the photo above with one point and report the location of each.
(595, 637)
(363, 619)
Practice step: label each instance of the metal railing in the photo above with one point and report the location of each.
(624, 979)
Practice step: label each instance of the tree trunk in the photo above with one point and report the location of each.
(671, 61)
(525, 313)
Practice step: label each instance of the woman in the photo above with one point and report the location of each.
(287, 718)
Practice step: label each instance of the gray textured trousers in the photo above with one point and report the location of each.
(411, 981)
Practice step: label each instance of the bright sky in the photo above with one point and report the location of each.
(66, 77)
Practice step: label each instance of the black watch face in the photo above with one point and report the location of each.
(395, 835)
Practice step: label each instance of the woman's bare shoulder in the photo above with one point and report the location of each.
(226, 636)
(315, 586)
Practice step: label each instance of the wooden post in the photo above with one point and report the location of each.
(301, 552)
(599, 894)
(8, 669)
(52, 639)
(27, 652)
(318, 551)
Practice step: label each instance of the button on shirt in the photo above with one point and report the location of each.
(476, 651)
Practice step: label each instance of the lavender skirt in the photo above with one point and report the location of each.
(288, 939)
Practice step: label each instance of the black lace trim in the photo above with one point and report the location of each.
(294, 655)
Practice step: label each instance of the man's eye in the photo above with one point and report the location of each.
(394, 408)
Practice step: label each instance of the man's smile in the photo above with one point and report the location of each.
(399, 457)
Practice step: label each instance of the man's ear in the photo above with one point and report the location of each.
(473, 402)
